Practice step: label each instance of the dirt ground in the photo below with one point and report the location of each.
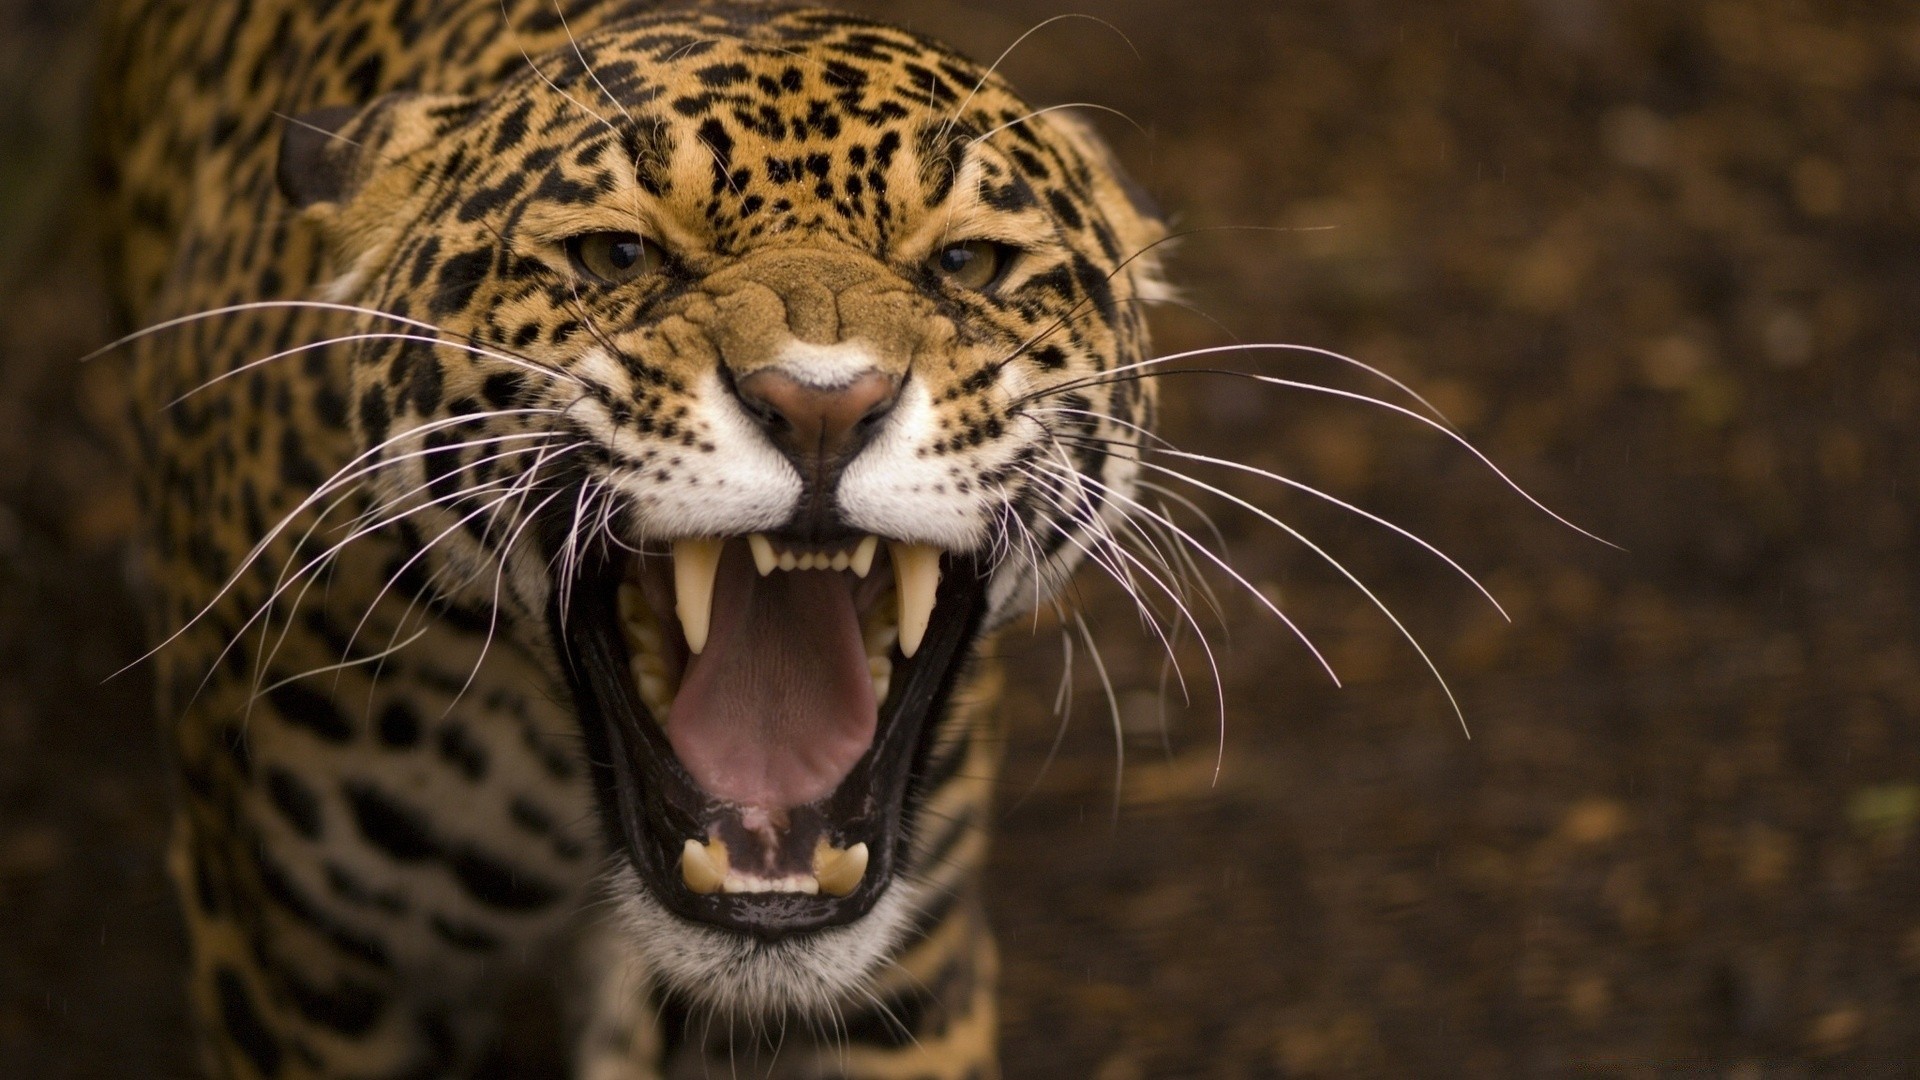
(1661, 262)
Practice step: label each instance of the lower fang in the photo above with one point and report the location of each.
(704, 866)
(839, 871)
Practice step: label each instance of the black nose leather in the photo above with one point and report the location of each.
(818, 427)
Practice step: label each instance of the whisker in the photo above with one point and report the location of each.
(1113, 706)
(1252, 346)
(314, 305)
(1344, 572)
(960, 109)
(1350, 395)
(1056, 108)
(346, 339)
(351, 471)
(1172, 451)
(1256, 594)
(507, 20)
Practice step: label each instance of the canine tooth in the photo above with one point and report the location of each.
(880, 672)
(763, 557)
(695, 562)
(839, 871)
(704, 866)
(841, 560)
(862, 560)
(789, 561)
(916, 576)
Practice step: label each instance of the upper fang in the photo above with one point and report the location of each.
(695, 563)
(916, 577)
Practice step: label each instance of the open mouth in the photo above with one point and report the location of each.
(756, 711)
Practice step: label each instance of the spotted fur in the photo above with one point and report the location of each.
(393, 413)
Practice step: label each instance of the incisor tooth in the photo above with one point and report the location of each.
(695, 562)
(841, 560)
(763, 557)
(863, 555)
(789, 561)
(839, 872)
(916, 576)
(704, 866)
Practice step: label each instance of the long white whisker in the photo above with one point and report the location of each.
(1256, 594)
(1170, 450)
(1056, 108)
(368, 336)
(345, 474)
(314, 305)
(1213, 665)
(1113, 706)
(1252, 346)
(960, 109)
(1364, 398)
(1337, 565)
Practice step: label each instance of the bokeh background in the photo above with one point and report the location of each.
(1661, 262)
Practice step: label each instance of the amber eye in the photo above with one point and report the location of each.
(972, 264)
(614, 257)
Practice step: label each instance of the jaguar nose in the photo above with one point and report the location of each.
(820, 428)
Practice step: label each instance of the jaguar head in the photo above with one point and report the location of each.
(749, 368)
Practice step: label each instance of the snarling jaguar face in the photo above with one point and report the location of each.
(748, 369)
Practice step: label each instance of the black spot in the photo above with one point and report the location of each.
(400, 831)
(464, 937)
(399, 726)
(296, 802)
(296, 468)
(503, 388)
(1064, 209)
(241, 1018)
(427, 386)
(364, 79)
(722, 75)
(513, 128)
(1049, 357)
(458, 747)
(234, 742)
(714, 134)
(349, 1008)
(1097, 287)
(530, 817)
(331, 406)
(460, 275)
(351, 889)
(497, 884)
(488, 199)
(311, 710)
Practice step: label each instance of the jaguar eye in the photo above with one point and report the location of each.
(972, 264)
(614, 257)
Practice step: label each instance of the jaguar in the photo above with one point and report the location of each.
(583, 449)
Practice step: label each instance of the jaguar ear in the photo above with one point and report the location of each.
(329, 154)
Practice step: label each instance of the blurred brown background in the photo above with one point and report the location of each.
(1661, 262)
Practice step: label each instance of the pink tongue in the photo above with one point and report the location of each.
(779, 707)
